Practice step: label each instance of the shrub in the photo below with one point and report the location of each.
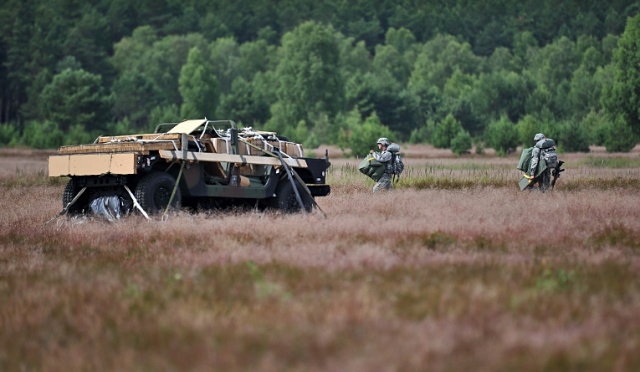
(163, 114)
(42, 135)
(596, 126)
(528, 126)
(78, 134)
(363, 138)
(121, 127)
(502, 135)
(619, 137)
(573, 137)
(461, 143)
(445, 131)
(9, 135)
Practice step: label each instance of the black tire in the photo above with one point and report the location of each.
(285, 199)
(70, 192)
(154, 191)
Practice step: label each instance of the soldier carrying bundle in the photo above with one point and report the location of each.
(540, 163)
(385, 166)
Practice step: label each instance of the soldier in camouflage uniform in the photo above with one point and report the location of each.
(383, 157)
(544, 179)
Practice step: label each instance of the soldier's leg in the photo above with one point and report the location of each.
(545, 180)
(377, 187)
(383, 183)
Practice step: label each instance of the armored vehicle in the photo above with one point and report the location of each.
(192, 163)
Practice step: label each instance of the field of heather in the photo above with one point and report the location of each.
(456, 269)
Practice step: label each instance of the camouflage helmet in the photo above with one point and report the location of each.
(538, 137)
(383, 141)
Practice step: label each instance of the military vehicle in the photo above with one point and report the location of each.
(192, 163)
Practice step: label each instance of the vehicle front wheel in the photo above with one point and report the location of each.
(285, 199)
(154, 192)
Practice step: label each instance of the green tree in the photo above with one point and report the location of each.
(135, 95)
(396, 107)
(445, 132)
(585, 92)
(256, 56)
(301, 132)
(422, 134)
(77, 133)
(9, 135)
(595, 124)
(573, 137)
(500, 93)
(527, 128)
(554, 63)
(461, 143)
(160, 61)
(402, 39)
(388, 59)
(225, 62)
(309, 78)
(42, 135)
(122, 127)
(89, 41)
(244, 104)
(619, 136)
(622, 100)
(363, 137)
(127, 53)
(439, 58)
(198, 87)
(162, 115)
(502, 136)
(76, 97)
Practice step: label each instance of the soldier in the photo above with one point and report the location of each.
(543, 154)
(383, 157)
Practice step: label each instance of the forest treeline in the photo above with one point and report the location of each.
(447, 72)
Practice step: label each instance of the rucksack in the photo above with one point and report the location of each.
(550, 157)
(397, 165)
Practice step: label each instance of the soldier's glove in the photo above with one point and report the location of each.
(530, 178)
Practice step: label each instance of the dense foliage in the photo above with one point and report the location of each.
(305, 67)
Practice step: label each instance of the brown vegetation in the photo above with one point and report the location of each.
(443, 273)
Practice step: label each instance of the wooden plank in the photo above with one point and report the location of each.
(143, 148)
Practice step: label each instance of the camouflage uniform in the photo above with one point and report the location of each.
(385, 181)
(544, 179)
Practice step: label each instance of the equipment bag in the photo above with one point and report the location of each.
(525, 159)
(372, 168)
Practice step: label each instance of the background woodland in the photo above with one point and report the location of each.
(451, 73)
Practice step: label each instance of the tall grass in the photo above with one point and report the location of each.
(464, 174)
(447, 272)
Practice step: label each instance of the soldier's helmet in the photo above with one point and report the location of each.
(538, 137)
(383, 141)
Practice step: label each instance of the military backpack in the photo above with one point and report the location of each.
(396, 163)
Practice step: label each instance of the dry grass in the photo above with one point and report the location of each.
(442, 274)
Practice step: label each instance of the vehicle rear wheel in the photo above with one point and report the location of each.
(154, 191)
(70, 192)
(285, 199)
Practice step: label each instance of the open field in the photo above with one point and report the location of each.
(454, 270)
